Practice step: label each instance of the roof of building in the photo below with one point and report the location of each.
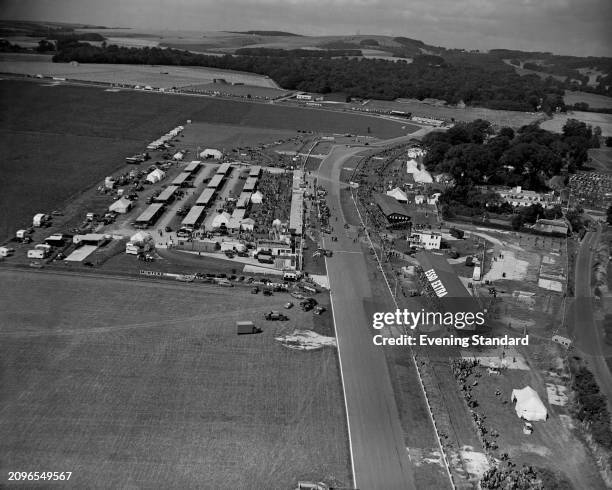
(122, 203)
(255, 171)
(551, 226)
(238, 213)
(398, 194)
(205, 197)
(194, 165)
(243, 200)
(150, 212)
(215, 181)
(224, 168)
(389, 205)
(193, 215)
(296, 213)
(181, 178)
(250, 184)
(453, 296)
(167, 193)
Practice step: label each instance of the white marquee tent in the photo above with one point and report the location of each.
(155, 176)
(220, 219)
(257, 197)
(528, 404)
(121, 206)
(398, 194)
(211, 153)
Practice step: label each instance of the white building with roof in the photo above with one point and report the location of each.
(428, 241)
(211, 153)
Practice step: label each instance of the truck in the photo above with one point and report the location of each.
(37, 253)
(457, 233)
(6, 251)
(39, 220)
(275, 316)
(246, 327)
(308, 304)
(292, 275)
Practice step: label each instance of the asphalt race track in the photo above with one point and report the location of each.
(379, 457)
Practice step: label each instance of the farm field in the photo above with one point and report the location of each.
(225, 136)
(594, 100)
(601, 159)
(144, 384)
(51, 131)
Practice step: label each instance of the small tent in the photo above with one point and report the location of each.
(247, 224)
(141, 237)
(398, 194)
(528, 405)
(257, 197)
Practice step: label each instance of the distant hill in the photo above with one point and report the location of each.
(268, 33)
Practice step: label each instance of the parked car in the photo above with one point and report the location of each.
(288, 305)
(318, 310)
(276, 316)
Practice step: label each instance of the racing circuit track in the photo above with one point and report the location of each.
(378, 454)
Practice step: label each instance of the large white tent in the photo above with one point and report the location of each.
(155, 176)
(398, 194)
(220, 219)
(528, 405)
(121, 206)
(211, 153)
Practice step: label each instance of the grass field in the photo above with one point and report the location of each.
(604, 121)
(61, 139)
(138, 384)
(156, 76)
(594, 100)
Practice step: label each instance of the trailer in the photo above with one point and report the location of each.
(246, 327)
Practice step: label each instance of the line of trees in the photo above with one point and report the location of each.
(483, 81)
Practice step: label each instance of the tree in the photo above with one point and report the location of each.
(516, 221)
(45, 46)
(609, 215)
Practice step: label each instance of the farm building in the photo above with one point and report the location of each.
(193, 166)
(150, 215)
(224, 168)
(393, 210)
(182, 179)
(428, 241)
(155, 176)
(211, 153)
(552, 226)
(194, 217)
(398, 194)
(215, 182)
(167, 195)
(121, 206)
(249, 185)
(206, 197)
(273, 247)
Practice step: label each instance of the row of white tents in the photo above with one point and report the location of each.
(173, 133)
(225, 219)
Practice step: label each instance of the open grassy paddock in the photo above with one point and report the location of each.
(50, 132)
(142, 384)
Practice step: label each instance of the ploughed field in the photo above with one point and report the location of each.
(144, 384)
(59, 139)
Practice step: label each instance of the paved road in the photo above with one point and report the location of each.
(379, 456)
(588, 337)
